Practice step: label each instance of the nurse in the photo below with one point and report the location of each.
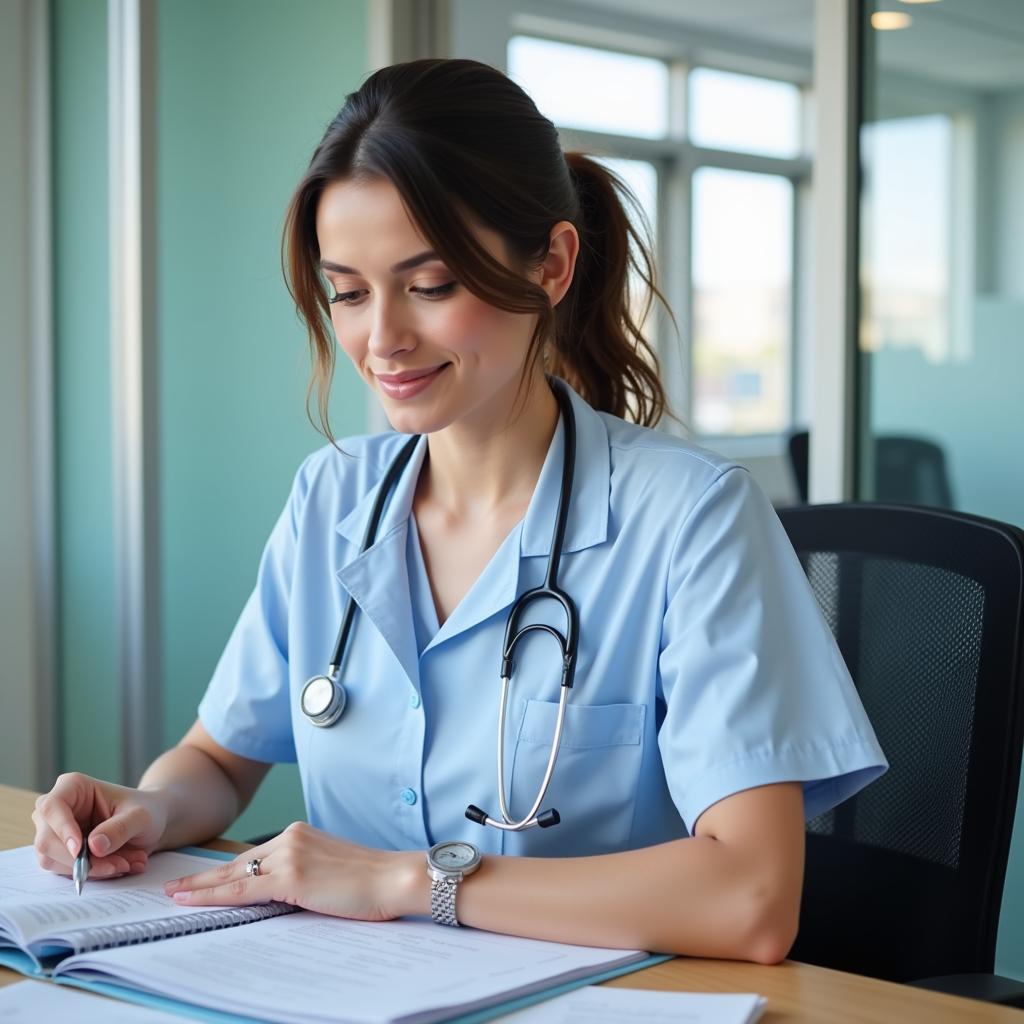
(475, 275)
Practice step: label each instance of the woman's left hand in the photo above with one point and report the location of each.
(308, 868)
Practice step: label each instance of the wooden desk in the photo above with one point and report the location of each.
(797, 993)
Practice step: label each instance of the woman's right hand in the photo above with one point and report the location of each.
(124, 825)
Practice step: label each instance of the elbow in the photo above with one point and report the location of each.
(773, 933)
(772, 947)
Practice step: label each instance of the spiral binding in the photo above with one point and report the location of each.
(89, 940)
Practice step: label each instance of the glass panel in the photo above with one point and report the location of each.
(599, 90)
(905, 227)
(742, 288)
(942, 262)
(743, 113)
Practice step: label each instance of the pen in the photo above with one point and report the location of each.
(80, 870)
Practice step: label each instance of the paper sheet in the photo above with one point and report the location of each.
(594, 1004)
(29, 1002)
(309, 967)
(41, 905)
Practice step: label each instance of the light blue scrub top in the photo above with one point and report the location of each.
(705, 666)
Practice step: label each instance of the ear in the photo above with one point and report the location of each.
(556, 272)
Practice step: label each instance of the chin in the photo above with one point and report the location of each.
(414, 421)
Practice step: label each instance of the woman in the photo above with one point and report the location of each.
(476, 276)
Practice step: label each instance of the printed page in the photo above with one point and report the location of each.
(309, 967)
(595, 1004)
(29, 1002)
(38, 907)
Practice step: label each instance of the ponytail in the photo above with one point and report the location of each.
(598, 345)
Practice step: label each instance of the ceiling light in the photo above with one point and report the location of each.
(886, 21)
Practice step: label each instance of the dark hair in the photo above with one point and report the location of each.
(460, 141)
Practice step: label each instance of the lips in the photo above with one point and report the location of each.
(408, 375)
(410, 383)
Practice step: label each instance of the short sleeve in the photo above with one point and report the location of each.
(246, 707)
(756, 690)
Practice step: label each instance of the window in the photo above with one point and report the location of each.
(742, 241)
(906, 234)
(743, 113)
(580, 87)
(642, 179)
(728, 149)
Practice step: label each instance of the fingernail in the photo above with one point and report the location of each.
(170, 886)
(101, 844)
(182, 897)
(72, 847)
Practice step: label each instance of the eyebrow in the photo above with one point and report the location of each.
(412, 261)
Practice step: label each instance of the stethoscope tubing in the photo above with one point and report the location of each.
(568, 643)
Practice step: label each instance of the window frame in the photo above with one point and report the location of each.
(675, 159)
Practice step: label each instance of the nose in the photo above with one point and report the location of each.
(390, 333)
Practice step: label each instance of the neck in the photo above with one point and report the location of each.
(479, 467)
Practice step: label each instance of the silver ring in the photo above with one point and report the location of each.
(252, 868)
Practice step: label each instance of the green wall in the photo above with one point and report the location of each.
(18, 668)
(243, 92)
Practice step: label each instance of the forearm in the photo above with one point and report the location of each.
(200, 799)
(694, 897)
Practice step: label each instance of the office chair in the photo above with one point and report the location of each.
(904, 880)
(908, 470)
(798, 445)
(911, 470)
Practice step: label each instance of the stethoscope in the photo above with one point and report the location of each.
(323, 697)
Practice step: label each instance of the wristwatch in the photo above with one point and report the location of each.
(447, 864)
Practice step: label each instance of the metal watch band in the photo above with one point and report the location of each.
(442, 900)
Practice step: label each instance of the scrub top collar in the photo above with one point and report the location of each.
(588, 506)
(378, 578)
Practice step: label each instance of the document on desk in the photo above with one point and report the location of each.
(309, 968)
(29, 1002)
(603, 1005)
(124, 936)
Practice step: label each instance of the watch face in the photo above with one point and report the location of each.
(454, 856)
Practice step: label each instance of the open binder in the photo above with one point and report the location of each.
(272, 961)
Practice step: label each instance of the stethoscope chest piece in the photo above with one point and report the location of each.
(323, 700)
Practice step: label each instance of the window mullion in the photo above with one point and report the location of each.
(678, 99)
(675, 350)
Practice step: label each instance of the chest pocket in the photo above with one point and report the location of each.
(593, 786)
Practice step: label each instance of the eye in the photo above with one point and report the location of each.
(345, 298)
(351, 298)
(333, 295)
(438, 291)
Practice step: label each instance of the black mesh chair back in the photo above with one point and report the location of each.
(904, 880)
